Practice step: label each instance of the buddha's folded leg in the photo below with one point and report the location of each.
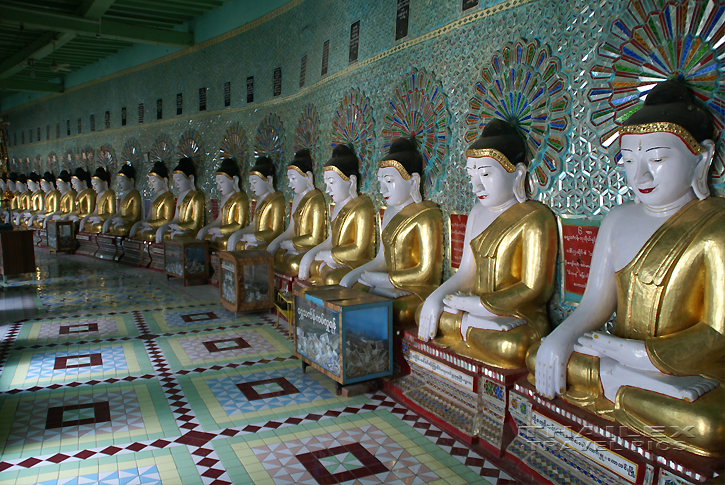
(506, 350)
(405, 309)
(333, 276)
(120, 230)
(292, 261)
(241, 245)
(217, 244)
(449, 329)
(146, 235)
(314, 276)
(279, 264)
(93, 228)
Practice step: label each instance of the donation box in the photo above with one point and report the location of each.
(346, 334)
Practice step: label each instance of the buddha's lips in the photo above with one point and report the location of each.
(646, 191)
(482, 196)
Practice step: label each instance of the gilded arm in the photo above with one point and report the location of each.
(428, 231)
(238, 216)
(358, 251)
(132, 213)
(317, 223)
(271, 223)
(196, 219)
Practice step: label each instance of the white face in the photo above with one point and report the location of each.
(77, 184)
(11, 186)
(123, 183)
(338, 188)
(98, 185)
(393, 187)
(157, 184)
(473, 176)
(32, 186)
(182, 183)
(224, 184)
(659, 167)
(20, 186)
(496, 184)
(2, 185)
(296, 181)
(62, 186)
(46, 186)
(258, 185)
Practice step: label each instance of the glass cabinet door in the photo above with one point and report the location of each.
(174, 263)
(227, 287)
(195, 256)
(256, 283)
(52, 234)
(318, 334)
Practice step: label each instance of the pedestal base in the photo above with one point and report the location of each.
(284, 281)
(214, 268)
(135, 253)
(109, 247)
(465, 397)
(88, 245)
(561, 443)
(156, 253)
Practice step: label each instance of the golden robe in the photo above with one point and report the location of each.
(310, 229)
(131, 211)
(161, 212)
(15, 203)
(235, 216)
(670, 296)
(51, 204)
(353, 241)
(106, 208)
(67, 202)
(190, 215)
(268, 220)
(24, 202)
(37, 204)
(515, 266)
(85, 203)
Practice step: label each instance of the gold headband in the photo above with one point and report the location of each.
(258, 174)
(295, 167)
(397, 166)
(156, 175)
(97, 178)
(337, 171)
(182, 173)
(124, 176)
(493, 153)
(664, 126)
(225, 174)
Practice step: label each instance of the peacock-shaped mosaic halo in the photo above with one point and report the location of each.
(234, 145)
(162, 150)
(269, 140)
(190, 147)
(353, 123)
(54, 163)
(419, 108)
(307, 135)
(653, 41)
(524, 83)
(131, 152)
(106, 158)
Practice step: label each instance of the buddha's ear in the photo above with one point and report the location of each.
(415, 188)
(702, 170)
(236, 183)
(353, 186)
(520, 183)
(310, 180)
(191, 177)
(270, 183)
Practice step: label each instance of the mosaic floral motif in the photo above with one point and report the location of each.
(525, 84)
(107, 158)
(38, 164)
(493, 390)
(131, 153)
(653, 41)
(190, 147)
(88, 155)
(162, 150)
(353, 123)
(54, 163)
(307, 133)
(270, 139)
(234, 145)
(419, 108)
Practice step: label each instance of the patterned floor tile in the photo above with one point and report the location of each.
(64, 329)
(209, 317)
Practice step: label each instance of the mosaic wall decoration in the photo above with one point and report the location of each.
(419, 108)
(307, 135)
(524, 84)
(38, 164)
(131, 152)
(53, 163)
(650, 42)
(190, 147)
(269, 140)
(107, 159)
(162, 150)
(88, 155)
(353, 123)
(234, 145)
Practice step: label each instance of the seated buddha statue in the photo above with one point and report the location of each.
(105, 203)
(308, 221)
(35, 204)
(11, 195)
(189, 215)
(21, 201)
(51, 201)
(494, 307)
(162, 206)
(657, 262)
(351, 242)
(85, 202)
(67, 197)
(4, 199)
(409, 265)
(268, 220)
(234, 213)
(129, 209)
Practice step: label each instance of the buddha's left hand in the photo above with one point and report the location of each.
(174, 227)
(374, 278)
(287, 245)
(214, 232)
(250, 240)
(468, 304)
(628, 352)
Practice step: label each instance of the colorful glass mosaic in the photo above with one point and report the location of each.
(234, 145)
(419, 108)
(307, 133)
(353, 123)
(269, 140)
(190, 147)
(88, 154)
(650, 42)
(162, 149)
(131, 152)
(107, 158)
(524, 84)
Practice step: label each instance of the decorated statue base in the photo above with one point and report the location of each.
(561, 443)
(284, 281)
(462, 396)
(87, 243)
(156, 253)
(109, 247)
(135, 252)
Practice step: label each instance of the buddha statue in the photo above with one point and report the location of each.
(351, 242)
(189, 214)
(268, 220)
(10, 195)
(21, 201)
(308, 220)
(162, 206)
(3, 192)
(234, 213)
(105, 203)
(494, 307)
(85, 202)
(657, 262)
(51, 201)
(36, 200)
(130, 208)
(409, 264)
(67, 197)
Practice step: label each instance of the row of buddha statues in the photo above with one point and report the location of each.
(658, 261)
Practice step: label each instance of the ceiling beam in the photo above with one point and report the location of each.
(94, 9)
(38, 49)
(34, 86)
(110, 29)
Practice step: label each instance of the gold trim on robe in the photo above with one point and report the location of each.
(67, 202)
(161, 212)
(235, 216)
(85, 203)
(353, 241)
(310, 229)
(131, 210)
(268, 220)
(51, 204)
(190, 215)
(106, 208)
(515, 267)
(37, 202)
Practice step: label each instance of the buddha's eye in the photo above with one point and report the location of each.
(627, 160)
(658, 159)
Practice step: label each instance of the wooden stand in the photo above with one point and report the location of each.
(156, 255)
(60, 236)
(187, 259)
(246, 280)
(16, 252)
(88, 245)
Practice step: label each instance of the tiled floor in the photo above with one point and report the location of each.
(114, 375)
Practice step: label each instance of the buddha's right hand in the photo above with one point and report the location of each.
(551, 362)
(305, 264)
(429, 316)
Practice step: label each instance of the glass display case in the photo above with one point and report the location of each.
(60, 236)
(187, 259)
(344, 333)
(246, 280)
